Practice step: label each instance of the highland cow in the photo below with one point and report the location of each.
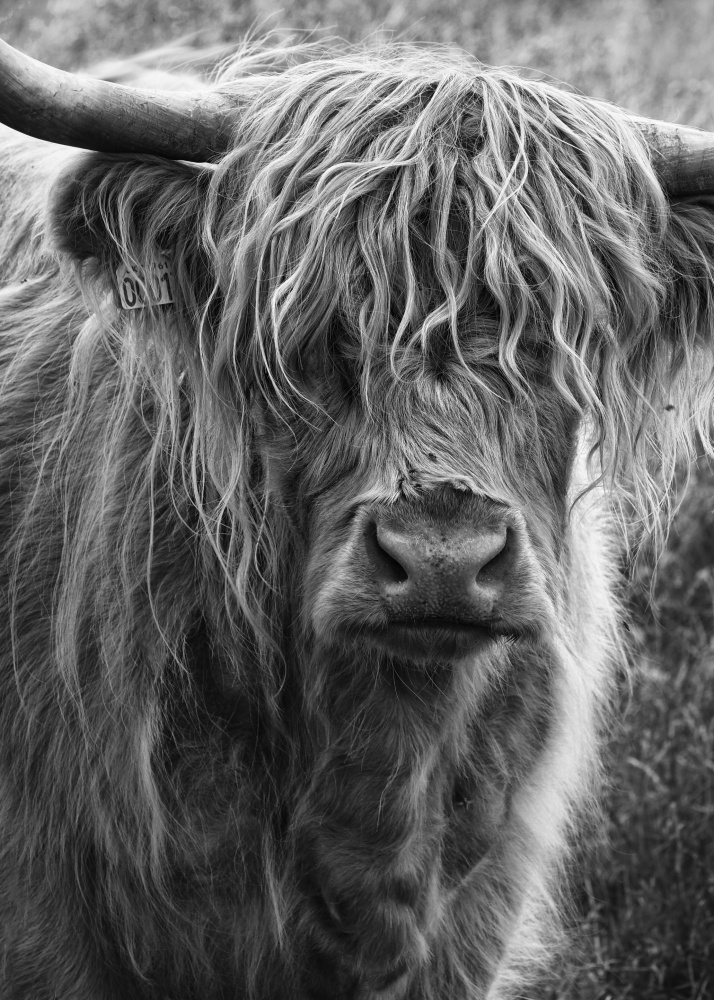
(327, 392)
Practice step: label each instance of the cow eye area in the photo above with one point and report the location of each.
(325, 372)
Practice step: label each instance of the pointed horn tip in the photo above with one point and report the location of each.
(90, 113)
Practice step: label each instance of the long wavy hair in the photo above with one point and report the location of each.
(378, 210)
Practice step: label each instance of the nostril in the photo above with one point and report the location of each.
(388, 567)
(494, 554)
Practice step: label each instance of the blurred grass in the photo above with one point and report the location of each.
(653, 892)
(647, 900)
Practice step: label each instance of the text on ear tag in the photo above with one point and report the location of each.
(140, 287)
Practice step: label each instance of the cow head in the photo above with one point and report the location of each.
(423, 310)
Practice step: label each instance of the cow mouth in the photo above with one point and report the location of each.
(444, 638)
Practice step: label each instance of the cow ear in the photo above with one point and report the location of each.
(111, 212)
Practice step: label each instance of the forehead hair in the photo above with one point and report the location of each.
(396, 201)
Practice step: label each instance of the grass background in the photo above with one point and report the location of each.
(646, 901)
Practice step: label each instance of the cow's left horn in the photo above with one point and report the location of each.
(61, 107)
(683, 158)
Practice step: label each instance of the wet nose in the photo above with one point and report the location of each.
(432, 569)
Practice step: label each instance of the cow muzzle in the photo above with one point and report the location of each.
(438, 576)
(442, 580)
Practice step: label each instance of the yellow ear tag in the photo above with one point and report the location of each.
(140, 287)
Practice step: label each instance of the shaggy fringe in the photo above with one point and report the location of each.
(475, 196)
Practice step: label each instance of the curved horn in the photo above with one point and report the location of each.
(683, 157)
(61, 107)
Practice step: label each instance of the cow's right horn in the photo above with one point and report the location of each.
(61, 107)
